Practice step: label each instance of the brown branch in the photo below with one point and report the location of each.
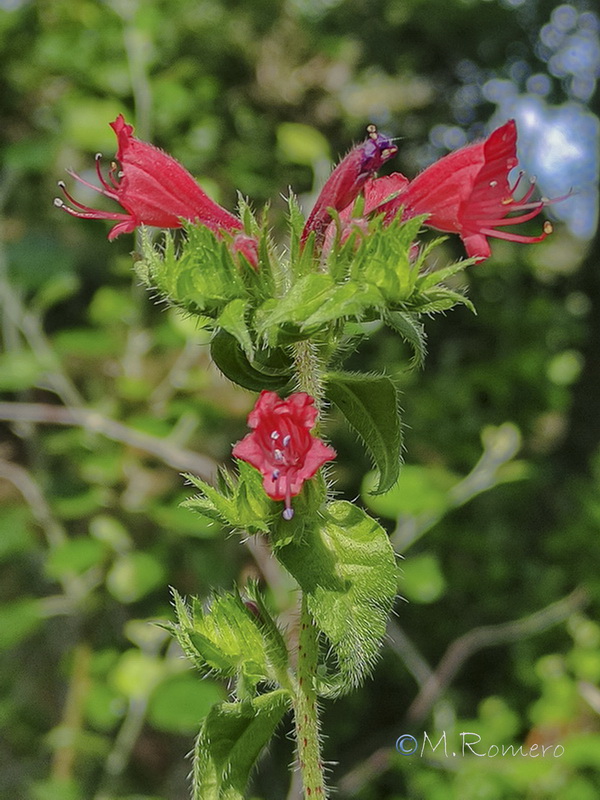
(405, 649)
(465, 646)
(365, 772)
(34, 497)
(46, 414)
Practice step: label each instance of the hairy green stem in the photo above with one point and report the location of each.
(306, 714)
(306, 717)
(308, 369)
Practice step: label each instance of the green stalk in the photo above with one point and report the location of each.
(308, 370)
(306, 713)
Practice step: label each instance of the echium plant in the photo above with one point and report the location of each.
(282, 326)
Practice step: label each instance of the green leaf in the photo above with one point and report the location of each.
(16, 535)
(411, 330)
(422, 580)
(275, 647)
(74, 556)
(180, 703)
(229, 743)
(134, 575)
(418, 490)
(345, 564)
(18, 619)
(302, 301)
(301, 144)
(233, 320)
(136, 674)
(19, 370)
(234, 364)
(349, 299)
(370, 404)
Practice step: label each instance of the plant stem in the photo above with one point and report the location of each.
(306, 714)
(308, 370)
(306, 718)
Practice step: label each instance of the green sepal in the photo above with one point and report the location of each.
(238, 504)
(370, 404)
(345, 564)
(255, 375)
(411, 330)
(233, 320)
(230, 741)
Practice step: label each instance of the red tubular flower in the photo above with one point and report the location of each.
(466, 192)
(347, 180)
(281, 445)
(154, 189)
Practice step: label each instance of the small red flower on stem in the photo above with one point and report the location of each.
(281, 445)
(347, 180)
(466, 192)
(154, 189)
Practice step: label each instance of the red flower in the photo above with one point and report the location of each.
(154, 189)
(466, 192)
(281, 445)
(347, 180)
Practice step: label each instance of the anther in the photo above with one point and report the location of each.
(98, 156)
(493, 184)
(58, 202)
(287, 514)
(548, 227)
(278, 455)
(286, 440)
(61, 184)
(274, 434)
(275, 474)
(372, 131)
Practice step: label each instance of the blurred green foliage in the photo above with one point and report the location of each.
(95, 701)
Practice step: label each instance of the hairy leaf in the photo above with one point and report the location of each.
(411, 330)
(347, 300)
(302, 300)
(234, 364)
(370, 404)
(233, 320)
(229, 743)
(345, 564)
